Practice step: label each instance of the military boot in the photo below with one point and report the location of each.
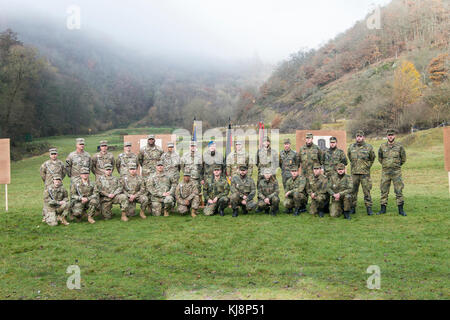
(235, 213)
(369, 211)
(382, 210)
(401, 211)
(321, 214)
(244, 210)
(302, 209)
(274, 211)
(267, 210)
(124, 216)
(288, 211)
(166, 213)
(221, 212)
(347, 215)
(142, 214)
(91, 220)
(193, 211)
(297, 212)
(326, 209)
(353, 210)
(64, 221)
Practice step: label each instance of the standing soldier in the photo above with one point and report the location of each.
(266, 158)
(332, 157)
(149, 156)
(340, 188)
(192, 162)
(171, 160)
(161, 187)
(237, 158)
(187, 196)
(268, 191)
(56, 203)
(211, 159)
(110, 192)
(317, 189)
(361, 156)
(134, 189)
(77, 160)
(392, 156)
(100, 159)
(243, 191)
(84, 196)
(296, 196)
(216, 191)
(126, 159)
(309, 155)
(288, 158)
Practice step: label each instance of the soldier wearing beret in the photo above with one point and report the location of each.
(243, 192)
(268, 193)
(100, 159)
(317, 189)
(161, 188)
(288, 158)
(171, 160)
(187, 196)
(309, 155)
(149, 156)
(392, 156)
(340, 188)
(84, 197)
(56, 202)
(215, 192)
(126, 159)
(110, 192)
(296, 196)
(134, 190)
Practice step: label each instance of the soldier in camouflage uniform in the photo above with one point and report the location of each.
(84, 196)
(126, 159)
(243, 192)
(100, 159)
(361, 156)
(332, 157)
(288, 158)
(237, 158)
(309, 155)
(211, 159)
(216, 191)
(110, 192)
(340, 187)
(392, 156)
(171, 160)
(317, 189)
(266, 157)
(268, 193)
(187, 196)
(149, 156)
(77, 160)
(192, 162)
(134, 189)
(161, 188)
(296, 196)
(56, 202)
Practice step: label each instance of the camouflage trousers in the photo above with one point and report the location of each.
(78, 208)
(366, 184)
(107, 203)
(344, 203)
(236, 201)
(142, 200)
(158, 204)
(274, 203)
(396, 178)
(183, 208)
(51, 213)
(210, 208)
(318, 204)
(295, 199)
(148, 170)
(285, 175)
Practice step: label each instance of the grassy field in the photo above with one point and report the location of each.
(250, 257)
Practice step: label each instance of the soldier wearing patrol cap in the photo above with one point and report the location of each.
(56, 202)
(161, 189)
(309, 155)
(317, 189)
(268, 193)
(126, 159)
(76, 160)
(361, 156)
(296, 196)
(110, 192)
(392, 157)
(237, 158)
(149, 156)
(84, 197)
(332, 157)
(100, 159)
(134, 190)
(340, 188)
(215, 192)
(266, 157)
(288, 158)
(243, 192)
(171, 160)
(187, 196)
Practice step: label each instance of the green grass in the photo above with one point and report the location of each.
(251, 257)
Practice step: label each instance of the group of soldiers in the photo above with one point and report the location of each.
(224, 181)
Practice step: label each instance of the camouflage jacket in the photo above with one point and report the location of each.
(108, 185)
(185, 191)
(296, 185)
(391, 157)
(243, 186)
(159, 183)
(124, 160)
(361, 157)
(98, 162)
(236, 159)
(210, 161)
(340, 184)
(50, 168)
(268, 188)
(148, 157)
(75, 162)
(80, 190)
(54, 195)
(216, 188)
(317, 185)
(288, 159)
(171, 162)
(266, 158)
(192, 162)
(332, 157)
(308, 156)
(133, 185)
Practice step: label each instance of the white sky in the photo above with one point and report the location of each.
(232, 29)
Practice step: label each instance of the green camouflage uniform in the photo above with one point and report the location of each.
(308, 156)
(110, 185)
(343, 185)
(266, 158)
(171, 162)
(236, 159)
(52, 196)
(240, 187)
(331, 158)
(156, 185)
(80, 190)
(297, 192)
(134, 185)
(148, 157)
(98, 162)
(287, 160)
(268, 189)
(361, 158)
(50, 168)
(391, 157)
(75, 162)
(210, 161)
(216, 188)
(187, 192)
(124, 160)
(319, 186)
(192, 162)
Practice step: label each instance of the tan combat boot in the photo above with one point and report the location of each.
(142, 214)
(193, 215)
(124, 216)
(166, 213)
(91, 220)
(64, 221)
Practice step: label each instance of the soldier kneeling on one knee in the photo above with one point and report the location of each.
(318, 191)
(216, 191)
(340, 187)
(268, 191)
(187, 196)
(134, 189)
(296, 196)
(56, 203)
(243, 191)
(84, 196)
(110, 192)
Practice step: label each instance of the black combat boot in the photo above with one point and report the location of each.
(353, 210)
(400, 210)
(274, 211)
(297, 212)
(321, 214)
(244, 210)
(369, 211)
(382, 210)
(326, 209)
(288, 211)
(235, 213)
(347, 215)
(302, 209)
(221, 212)
(258, 209)
(267, 210)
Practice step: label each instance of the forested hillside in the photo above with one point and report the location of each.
(393, 76)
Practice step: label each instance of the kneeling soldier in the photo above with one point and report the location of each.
(216, 191)
(84, 196)
(56, 203)
(243, 191)
(134, 189)
(187, 196)
(268, 191)
(110, 192)
(317, 189)
(296, 196)
(161, 188)
(340, 187)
